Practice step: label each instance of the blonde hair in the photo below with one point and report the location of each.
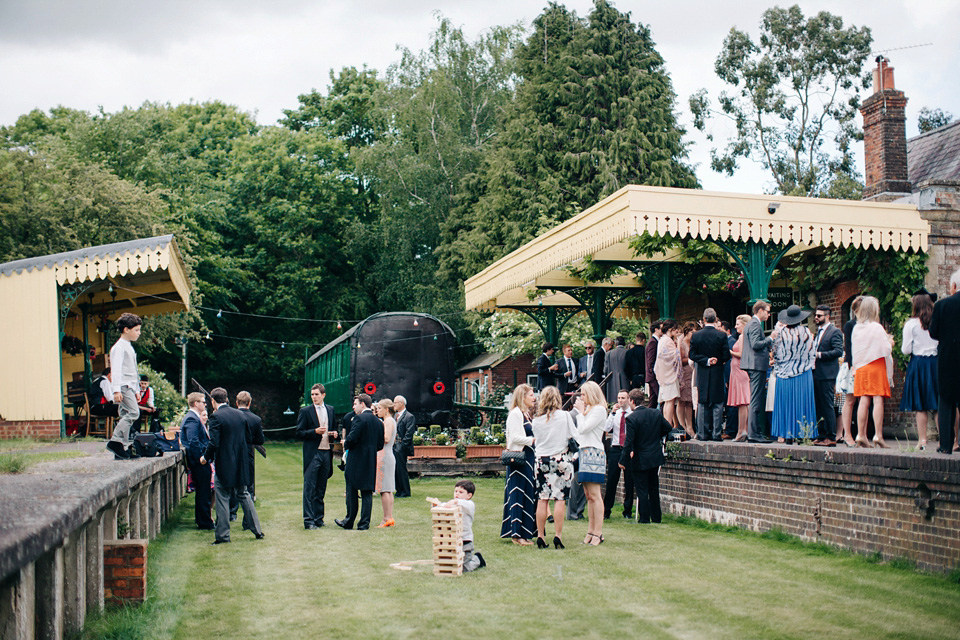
(386, 404)
(592, 395)
(516, 400)
(744, 318)
(869, 310)
(550, 401)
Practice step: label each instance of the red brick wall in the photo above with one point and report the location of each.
(44, 429)
(885, 144)
(522, 365)
(901, 505)
(124, 571)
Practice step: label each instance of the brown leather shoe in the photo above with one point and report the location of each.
(826, 442)
(726, 436)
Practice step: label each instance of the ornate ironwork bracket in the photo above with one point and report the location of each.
(758, 261)
(665, 280)
(600, 303)
(551, 320)
(67, 296)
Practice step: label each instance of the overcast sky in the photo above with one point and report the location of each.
(87, 54)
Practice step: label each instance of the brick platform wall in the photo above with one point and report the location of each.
(901, 505)
(124, 571)
(43, 429)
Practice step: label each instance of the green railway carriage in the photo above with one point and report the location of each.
(385, 355)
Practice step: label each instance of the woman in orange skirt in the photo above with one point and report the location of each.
(872, 369)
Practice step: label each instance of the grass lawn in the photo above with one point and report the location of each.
(675, 580)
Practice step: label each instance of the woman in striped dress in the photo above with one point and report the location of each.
(519, 503)
(794, 407)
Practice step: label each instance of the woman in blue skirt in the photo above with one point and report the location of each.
(920, 389)
(794, 408)
(591, 408)
(519, 504)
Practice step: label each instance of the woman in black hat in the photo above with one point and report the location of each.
(920, 390)
(794, 408)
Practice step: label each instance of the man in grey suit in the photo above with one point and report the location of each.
(755, 361)
(828, 347)
(614, 363)
(403, 444)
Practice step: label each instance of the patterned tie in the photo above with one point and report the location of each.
(623, 425)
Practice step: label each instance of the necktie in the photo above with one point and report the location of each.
(589, 365)
(623, 426)
(569, 367)
(816, 344)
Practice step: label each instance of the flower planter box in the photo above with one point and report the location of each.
(484, 450)
(435, 451)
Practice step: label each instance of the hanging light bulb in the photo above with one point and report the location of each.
(208, 335)
(415, 323)
(219, 313)
(339, 326)
(283, 345)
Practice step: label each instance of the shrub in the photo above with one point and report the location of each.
(166, 397)
(442, 438)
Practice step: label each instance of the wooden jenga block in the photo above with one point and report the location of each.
(447, 540)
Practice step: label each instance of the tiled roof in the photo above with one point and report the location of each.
(935, 155)
(483, 361)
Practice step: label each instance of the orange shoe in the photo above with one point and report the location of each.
(386, 523)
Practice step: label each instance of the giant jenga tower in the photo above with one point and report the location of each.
(447, 540)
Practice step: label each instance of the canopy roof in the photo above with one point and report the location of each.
(147, 275)
(604, 230)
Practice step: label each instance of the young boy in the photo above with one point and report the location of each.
(463, 495)
(125, 383)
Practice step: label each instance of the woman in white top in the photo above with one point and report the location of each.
(920, 389)
(518, 495)
(552, 430)
(591, 409)
(668, 368)
(872, 369)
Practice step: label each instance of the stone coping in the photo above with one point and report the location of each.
(41, 507)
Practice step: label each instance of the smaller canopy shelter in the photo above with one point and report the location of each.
(755, 232)
(61, 305)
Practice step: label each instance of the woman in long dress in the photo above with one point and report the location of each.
(667, 368)
(552, 430)
(591, 408)
(688, 389)
(872, 369)
(519, 507)
(387, 463)
(794, 406)
(738, 393)
(921, 391)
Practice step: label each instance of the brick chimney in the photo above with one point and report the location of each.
(885, 138)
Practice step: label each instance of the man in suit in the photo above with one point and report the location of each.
(403, 444)
(708, 348)
(566, 372)
(585, 368)
(613, 365)
(828, 347)
(945, 327)
(362, 443)
(755, 360)
(616, 427)
(546, 368)
(255, 436)
(642, 455)
(316, 427)
(194, 437)
(650, 354)
(636, 363)
(229, 448)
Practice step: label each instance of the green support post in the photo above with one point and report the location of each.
(600, 303)
(551, 320)
(757, 261)
(666, 280)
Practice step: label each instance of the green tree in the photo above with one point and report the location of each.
(793, 99)
(930, 119)
(593, 112)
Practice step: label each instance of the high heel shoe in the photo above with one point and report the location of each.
(541, 543)
(880, 443)
(863, 442)
(557, 543)
(597, 537)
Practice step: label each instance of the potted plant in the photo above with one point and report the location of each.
(438, 447)
(483, 445)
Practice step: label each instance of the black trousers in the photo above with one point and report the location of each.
(824, 392)
(315, 487)
(946, 418)
(613, 479)
(201, 484)
(401, 475)
(366, 506)
(647, 482)
(653, 401)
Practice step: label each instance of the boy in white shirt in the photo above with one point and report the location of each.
(125, 382)
(463, 495)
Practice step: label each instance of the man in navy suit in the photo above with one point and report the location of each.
(403, 444)
(362, 443)
(229, 447)
(194, 438)
(708, 348)
(945, 327)
(642, 455)
(828, 347)
(316, 427)
(566, 372)
(546, 369)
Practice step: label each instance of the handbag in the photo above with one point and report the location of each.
(513, 459)
(572, 445)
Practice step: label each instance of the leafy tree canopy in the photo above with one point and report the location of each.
(929, 119)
